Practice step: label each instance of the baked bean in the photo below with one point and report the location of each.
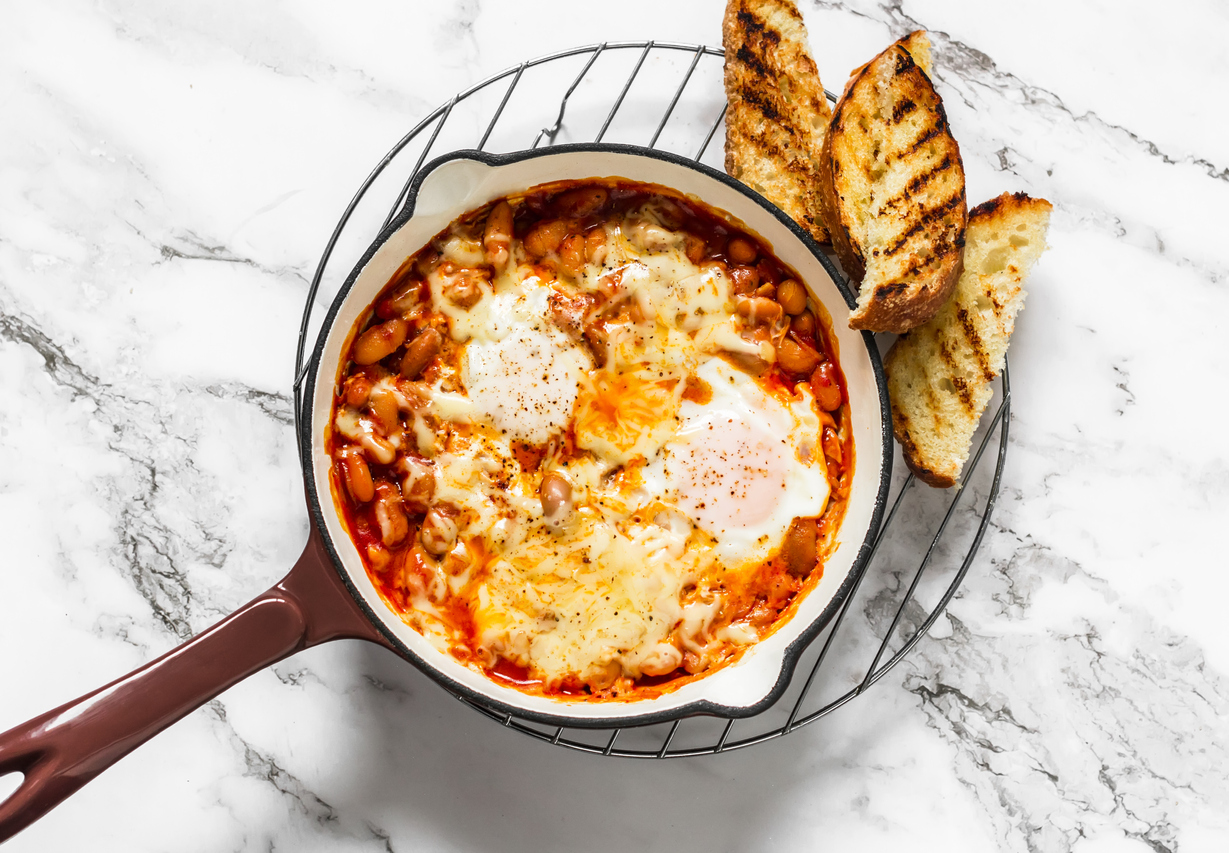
(825, 388)
(572, 255)
(803, 326)
(792, 296)
(595, 245)
(418, 485)
(463, 289)
(402, 300)
(832, 444)
(425, 346)
(652, 237)
(693, 663)
(426, 262)
(379, 448)
(601, 676)
(358, 389)
(497, 237)
(695, 248)
(767, 291)
(583, 201)
(598, 343)
(545, 237)
(753, 363)
(416, 396)
(417, 569)
(742, 251)
(744, 279)
(394, 526)
(383, 404)
(671, 214)
(380, 341)
(439, 531)
(356, 474)
(378, 556)
(661, 659)
(556, 494)
(458, 559)
(796, 359)
(757, 309)
(800, 549)
(768, 272)
(569, 312)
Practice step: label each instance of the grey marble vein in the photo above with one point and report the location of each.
(168, 177)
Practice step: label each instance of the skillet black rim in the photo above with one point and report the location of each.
(794, 650)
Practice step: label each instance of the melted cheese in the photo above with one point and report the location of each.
(634, 575)
(622, 415)
(527, 383)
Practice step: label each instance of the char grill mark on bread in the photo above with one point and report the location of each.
(939, 374)
(777, 108)
(891, 189)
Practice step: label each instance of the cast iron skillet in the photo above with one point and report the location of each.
(327, 594)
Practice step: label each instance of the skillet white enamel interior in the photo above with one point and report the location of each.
(457, 184)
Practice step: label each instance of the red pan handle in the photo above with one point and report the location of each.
(63, 749)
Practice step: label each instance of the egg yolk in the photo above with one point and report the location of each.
(730, 474)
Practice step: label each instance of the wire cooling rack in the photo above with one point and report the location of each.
(671, 96)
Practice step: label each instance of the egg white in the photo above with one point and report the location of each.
(520, 372)
(742, 466)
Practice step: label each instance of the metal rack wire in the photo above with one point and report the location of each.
(948, 528)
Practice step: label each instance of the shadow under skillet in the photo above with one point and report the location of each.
(427, 767)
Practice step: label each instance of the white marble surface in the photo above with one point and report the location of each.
(169, 174)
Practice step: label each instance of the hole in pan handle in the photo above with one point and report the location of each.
(61, 750)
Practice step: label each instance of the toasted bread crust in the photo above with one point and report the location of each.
(830, 207)
(918, 45)
(939, 374)
(777, 108)
(900, 307)
(915, 459)
(891, 191)
(998, 211)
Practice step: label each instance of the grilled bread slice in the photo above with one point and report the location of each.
(777, 110)
(891, 188)
(939, 374)
(918, 45)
